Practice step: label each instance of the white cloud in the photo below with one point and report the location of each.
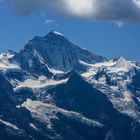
(121, 11)
(49, 21)
(80, 7)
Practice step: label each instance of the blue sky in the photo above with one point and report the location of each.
(105, 38)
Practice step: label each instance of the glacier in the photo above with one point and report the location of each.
(53, 89)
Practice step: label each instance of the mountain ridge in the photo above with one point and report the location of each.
(67, 92)
(57, 52)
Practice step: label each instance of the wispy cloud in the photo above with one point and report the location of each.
(121, 11)
(49, 21)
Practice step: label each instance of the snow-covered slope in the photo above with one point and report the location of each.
(47, 112)
(7, 55)
(5, 64)
(53, 89)
(114, 78)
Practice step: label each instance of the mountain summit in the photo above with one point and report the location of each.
(54, 51)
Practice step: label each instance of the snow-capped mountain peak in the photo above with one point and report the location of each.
(54, 51)
(123, 63)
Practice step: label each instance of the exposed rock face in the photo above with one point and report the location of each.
(55, 90)
(54, 51)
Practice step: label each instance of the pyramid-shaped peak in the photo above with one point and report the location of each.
(122, 59)
(57, 52)
(119, 58)
(54, 37)
(121, 62)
